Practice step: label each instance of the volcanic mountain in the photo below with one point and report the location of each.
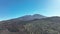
(27, 25)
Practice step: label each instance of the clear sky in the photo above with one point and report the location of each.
(16, 8)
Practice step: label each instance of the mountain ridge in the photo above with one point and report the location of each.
(28, 17)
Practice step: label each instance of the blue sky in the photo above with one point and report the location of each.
(16, 8)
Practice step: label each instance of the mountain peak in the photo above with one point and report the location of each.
(32, 17)
(37, 14)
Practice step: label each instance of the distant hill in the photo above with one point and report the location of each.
(31, 17)
(45, 25)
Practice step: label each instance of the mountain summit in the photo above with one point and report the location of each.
(32, 17)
